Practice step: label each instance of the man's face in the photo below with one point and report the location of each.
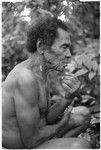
(59, 54)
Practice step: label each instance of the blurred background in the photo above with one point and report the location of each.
(84, 21)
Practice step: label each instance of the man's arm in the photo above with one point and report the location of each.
(69, 86)
(28, 115)
(56, 109)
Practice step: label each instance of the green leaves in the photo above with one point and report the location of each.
(81, 72)
(78, 59)
(13, 37)
(87, 61)
(94, 65)
(71, 66)
(91, 75)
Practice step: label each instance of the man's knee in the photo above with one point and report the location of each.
(81, 115)
(85, 111)
(81, 110)
(81, 144)
(65, 143)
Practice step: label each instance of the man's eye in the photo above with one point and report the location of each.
(65, 46)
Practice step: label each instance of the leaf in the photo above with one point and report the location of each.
(91, 55)
(81, 72)
(44, 12)
(87, 61)
(78, 59)
(95, 121)
(95, 109)
(71, 66)
(40, 2)
(92, 103)
(95, 65)
(97, 115)
(91, 75)
(87, 98)
(84, 101)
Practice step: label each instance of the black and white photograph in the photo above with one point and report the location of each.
(50, 74)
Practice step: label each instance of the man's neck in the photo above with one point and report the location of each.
(37, 64)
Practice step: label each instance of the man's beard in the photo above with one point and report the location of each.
(52, 61)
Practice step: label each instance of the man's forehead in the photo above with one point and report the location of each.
(62, 34)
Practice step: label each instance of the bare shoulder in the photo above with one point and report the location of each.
(25, 76)
(27, 86)
(20, 76)
(26, 79)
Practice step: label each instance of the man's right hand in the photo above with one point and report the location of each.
(57, 98)
(70, 83)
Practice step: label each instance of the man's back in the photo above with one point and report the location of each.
(10, 125)
(10, 128)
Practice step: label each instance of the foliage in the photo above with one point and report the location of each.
(86, 66)
(86, 61)
(83, 20)
(13, 36)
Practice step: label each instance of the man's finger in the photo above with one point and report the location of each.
(74, 79)
(70, 74)
(67, 88)
(69, 83)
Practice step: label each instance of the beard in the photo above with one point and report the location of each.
(52, 61)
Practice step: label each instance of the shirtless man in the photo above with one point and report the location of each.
(27, 119)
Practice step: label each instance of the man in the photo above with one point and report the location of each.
(28, 120)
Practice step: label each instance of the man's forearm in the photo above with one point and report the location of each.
(46, 133)
(56, 110)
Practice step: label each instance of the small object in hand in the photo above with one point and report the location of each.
(68, 110)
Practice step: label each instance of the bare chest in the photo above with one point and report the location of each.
(43, 98)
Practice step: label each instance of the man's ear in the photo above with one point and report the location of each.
(39, 47)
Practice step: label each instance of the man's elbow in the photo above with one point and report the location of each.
(51, 120)
(29, 143)
(34, 142)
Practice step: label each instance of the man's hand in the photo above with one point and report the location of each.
(70, 83)
(57, 98)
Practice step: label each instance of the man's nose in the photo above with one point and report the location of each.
(68, 54)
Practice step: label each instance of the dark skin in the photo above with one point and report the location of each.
(28, 120)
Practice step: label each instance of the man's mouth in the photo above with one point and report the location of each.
(65, 63)
(65, 60)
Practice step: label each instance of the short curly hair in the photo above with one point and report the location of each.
(44, 30)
